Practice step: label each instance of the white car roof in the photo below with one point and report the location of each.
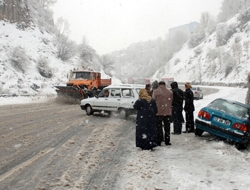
(126, 86)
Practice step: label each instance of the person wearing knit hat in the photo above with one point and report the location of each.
(189, 108)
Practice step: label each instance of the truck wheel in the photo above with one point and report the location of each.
(89, 110)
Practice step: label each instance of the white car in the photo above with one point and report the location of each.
(121, 99)
(198, 94)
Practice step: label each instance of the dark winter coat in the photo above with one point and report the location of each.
(189, 100)
(146, 131)
(178, 96)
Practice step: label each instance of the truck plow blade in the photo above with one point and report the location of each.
(70, 93)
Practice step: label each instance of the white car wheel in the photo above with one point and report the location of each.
(122, 114)
(89, 110)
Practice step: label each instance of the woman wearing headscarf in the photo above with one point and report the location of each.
(146, 130)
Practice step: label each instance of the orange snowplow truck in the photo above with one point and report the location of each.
(82, 84)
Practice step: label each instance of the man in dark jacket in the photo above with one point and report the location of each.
(177, 108)
(189, 108)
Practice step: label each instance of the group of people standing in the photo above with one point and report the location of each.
(157, 107)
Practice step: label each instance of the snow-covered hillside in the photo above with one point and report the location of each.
(35, 45)
(207, 63)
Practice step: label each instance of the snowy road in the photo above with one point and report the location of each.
(49, 146)
(52, 146)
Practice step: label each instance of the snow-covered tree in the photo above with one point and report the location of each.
(43, 67)
(196, 39)
(14, 11)
(19, 59)
(207, 22)
(229, 63)
(229, 8)
(224, 32)
(198, 72)
(237, 51)
(247, 101)
(86, 53)
(66, 48)
(246, 46)
(108, 64)
(62, 27)
(47, 3)
(176, 42)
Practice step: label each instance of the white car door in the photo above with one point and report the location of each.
(128, 98)
(114, 99)
(100, 103)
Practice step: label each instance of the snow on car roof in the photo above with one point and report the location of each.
(127, 85)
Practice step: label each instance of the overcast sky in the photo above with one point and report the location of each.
(110, 25)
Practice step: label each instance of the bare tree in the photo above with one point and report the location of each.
(47, 3)
(199, 71)
(86, 52)
(84, 40)
(66, 48)
(246, 45)
(247, 101)
(14, 10)
(207, 22)
(62, 27)
(220, 53)
(246, 4)
(229, 8)
(178, 40)
(108, 64)
(237, 51)
(229, 63)
(212, 68)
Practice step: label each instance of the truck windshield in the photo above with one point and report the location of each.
(81, 75)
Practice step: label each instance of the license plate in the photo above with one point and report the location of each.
(220, 120)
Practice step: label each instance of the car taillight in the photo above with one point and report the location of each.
(240, 126)
(196, 92)
(204, 115)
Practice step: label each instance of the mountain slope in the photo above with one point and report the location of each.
(209, 63)
(28, 47)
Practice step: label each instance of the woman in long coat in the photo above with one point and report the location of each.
(146, 130)
(177, 108)
(189, 108)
